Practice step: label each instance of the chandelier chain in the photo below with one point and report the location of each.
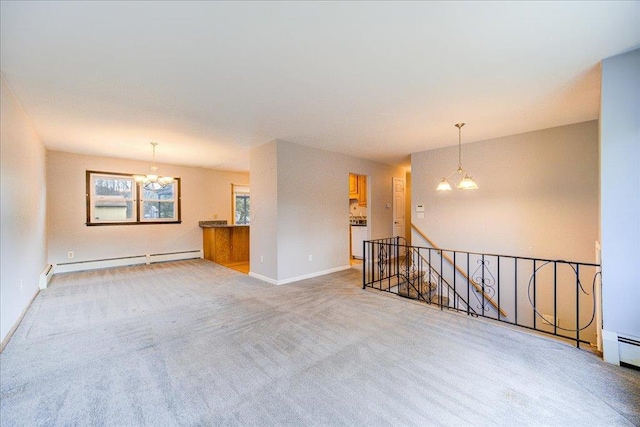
(467, 182)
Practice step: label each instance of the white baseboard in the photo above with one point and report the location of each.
(7, 338)
(620, 348)
(263, 278)
(45, 276)
(298, 278)
(175, 256)
(629, 350)
(125, 261)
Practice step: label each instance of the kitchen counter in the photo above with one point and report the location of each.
(358, 220)
(219, 224)
(225, 244)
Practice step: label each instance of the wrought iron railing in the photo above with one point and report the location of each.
(551, 296)
(403, 270)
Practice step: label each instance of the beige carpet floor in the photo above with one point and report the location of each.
(194, 343)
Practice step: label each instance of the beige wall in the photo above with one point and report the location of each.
(538, 198)
(23, 192)
(538, 195)
(205, 192)
(312, 204)
(264, 210)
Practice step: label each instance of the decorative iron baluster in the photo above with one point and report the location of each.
(382, 260)
(482, 276)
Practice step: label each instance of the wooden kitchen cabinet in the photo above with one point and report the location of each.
(226, 245)
(240, 244)
(358, 188)
(353, 186)
(362, 190)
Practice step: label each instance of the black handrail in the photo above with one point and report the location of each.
(555, 291)
(442, 280)
(396, 273)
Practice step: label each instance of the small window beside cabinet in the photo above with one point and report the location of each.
(241, 204)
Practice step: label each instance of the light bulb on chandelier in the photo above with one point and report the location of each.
(467, 182)
(153, 181)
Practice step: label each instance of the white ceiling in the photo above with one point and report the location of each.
(379, 80)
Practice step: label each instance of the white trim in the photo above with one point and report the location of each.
(263, 278)
(144, 200)
(94, 265)
(298, 278)
(629, 350)
(610, 350)
(45, 276)
(125, 261)
(240, 188)
(7, 338)
(93, 197)
(178, 256)
(598, 299)
(620, 349)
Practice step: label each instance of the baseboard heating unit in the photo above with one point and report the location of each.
(45, 276)
(629, 352)
(621, 349)
(68, 267)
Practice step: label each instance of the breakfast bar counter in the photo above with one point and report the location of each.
(225, 244)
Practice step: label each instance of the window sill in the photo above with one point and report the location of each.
(99, 224)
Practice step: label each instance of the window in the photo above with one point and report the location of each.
(159, 205)
(112, 198)
(241, 204)
(116, 199)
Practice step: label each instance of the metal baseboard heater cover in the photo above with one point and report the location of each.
(629, 350)
(45, 276)
(68, 267)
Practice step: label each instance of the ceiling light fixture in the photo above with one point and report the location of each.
(153, 181)
(467, 183)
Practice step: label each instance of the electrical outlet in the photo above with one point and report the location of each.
(20, 284)
(215, 216)
(310, 257)
(70, 254)
(261, 259)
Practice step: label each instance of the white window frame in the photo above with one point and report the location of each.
(92, 196)
(174, 201)
(243, 190)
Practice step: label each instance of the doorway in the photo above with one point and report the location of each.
(358, 216)
(398, 207)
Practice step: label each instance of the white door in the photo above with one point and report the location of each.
(398, 207)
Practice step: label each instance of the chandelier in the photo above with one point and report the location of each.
(467, 182)
(153, 181)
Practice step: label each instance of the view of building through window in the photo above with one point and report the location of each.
(113, 198)
(117, 199)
